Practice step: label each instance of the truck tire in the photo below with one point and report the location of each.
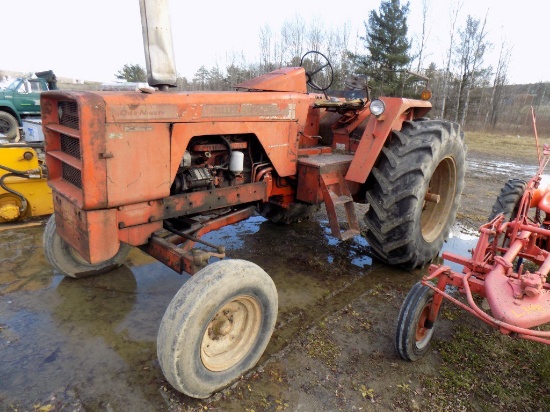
(425, 157)
(8, 125)
(412, 337)
(507, 202)
(217, 327)
(294, 214)
(68, 262)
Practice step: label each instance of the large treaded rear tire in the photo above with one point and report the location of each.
(68, 262)
(426, 156)
(507, 202)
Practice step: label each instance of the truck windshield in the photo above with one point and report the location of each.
(13, 85)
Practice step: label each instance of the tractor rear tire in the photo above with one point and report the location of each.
(8, 125)
(217, 327)
(412, 337)
(507, 202)
(68, 261)
(294, 214)
(406, 227)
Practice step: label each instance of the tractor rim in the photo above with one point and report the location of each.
(231, 333)
(436, 214)
(423, 334)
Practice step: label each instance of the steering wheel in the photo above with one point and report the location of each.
(324, 69)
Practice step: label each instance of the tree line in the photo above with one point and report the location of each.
(466, 89)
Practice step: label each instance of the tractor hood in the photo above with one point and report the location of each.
(288, 79)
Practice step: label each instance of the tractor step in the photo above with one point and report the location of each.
(326, 172)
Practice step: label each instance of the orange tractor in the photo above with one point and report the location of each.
(157, 170)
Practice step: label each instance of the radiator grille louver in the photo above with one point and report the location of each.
(72, 175)
(70, 145)
(65, 145)
(68, 114)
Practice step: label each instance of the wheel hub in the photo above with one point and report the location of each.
(439, 199)
(423, 334)
(231, 333)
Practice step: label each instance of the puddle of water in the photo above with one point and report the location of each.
(357, 247)
(461, 241)
(492, 168)
(92, 342)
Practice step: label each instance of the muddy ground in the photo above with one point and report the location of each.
(90, 344)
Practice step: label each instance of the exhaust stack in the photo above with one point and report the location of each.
(157, 42)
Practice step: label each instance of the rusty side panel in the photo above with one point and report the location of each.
(275, 118)
(377, 131)
(93, 233)
(137, 157)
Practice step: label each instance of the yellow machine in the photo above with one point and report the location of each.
(24, 191)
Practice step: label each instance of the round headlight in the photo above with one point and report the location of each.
(377, 107)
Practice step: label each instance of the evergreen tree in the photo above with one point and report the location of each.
(132, 73)
(388, 45)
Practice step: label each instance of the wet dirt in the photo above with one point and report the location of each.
(90, 344)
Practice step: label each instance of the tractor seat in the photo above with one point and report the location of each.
(355, 95)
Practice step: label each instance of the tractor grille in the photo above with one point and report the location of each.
(68, 114)
(73, 128)
(72, 175)
(70, 145)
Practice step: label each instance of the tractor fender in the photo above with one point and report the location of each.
(541, 195)
(377, 131)
(8, 107)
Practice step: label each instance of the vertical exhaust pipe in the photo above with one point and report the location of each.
(157, 42)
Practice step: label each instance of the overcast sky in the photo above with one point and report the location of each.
(92, 40)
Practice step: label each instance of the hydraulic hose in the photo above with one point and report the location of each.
(15, 173)
(24, 202)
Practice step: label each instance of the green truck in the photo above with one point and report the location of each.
(21, 100)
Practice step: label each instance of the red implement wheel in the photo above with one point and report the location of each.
(413, 335)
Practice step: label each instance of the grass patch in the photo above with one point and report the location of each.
(483, 370)
(495, 144)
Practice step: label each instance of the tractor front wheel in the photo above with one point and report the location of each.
(414, 192)
(217, 327)
(69, 262)
(414, 335)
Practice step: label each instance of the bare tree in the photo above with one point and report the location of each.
(500, 80)
(471, 50)
(453, 16)
(315, 35)
(292, 35)
(266, 53)
(425, 33)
